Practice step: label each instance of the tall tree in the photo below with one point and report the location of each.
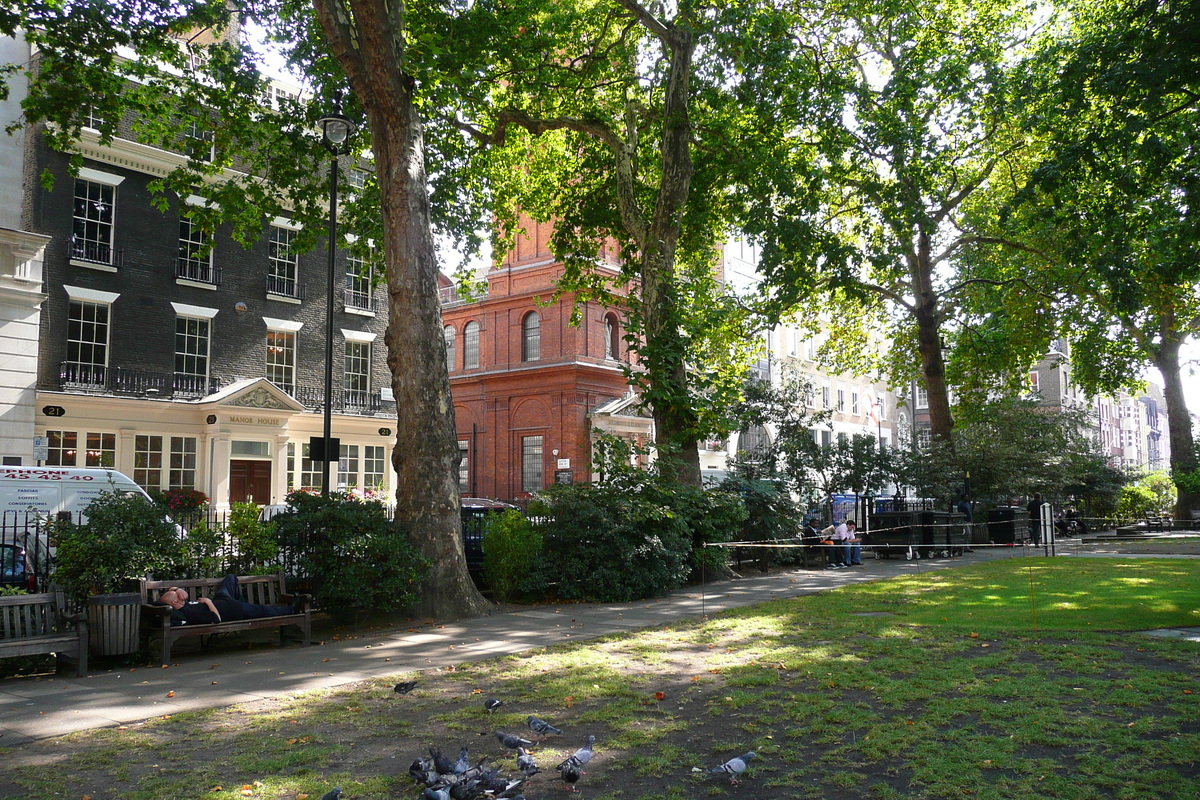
(131, 59)
(914, 122)
(1112, 207)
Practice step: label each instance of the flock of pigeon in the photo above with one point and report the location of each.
(441, 778)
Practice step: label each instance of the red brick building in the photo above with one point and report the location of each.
(529, 386)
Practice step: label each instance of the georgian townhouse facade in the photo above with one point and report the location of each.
(191, 370)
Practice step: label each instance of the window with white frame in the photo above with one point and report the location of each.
(356, 179)
(854, 401)
(532, 468)
(92, 228)
(198, 142)
(348, 466)
(531, 337)
(464, 466)
(374, 466)
(471, 345)
(281, 359)
(282, 275)
(357, 380)
(192, 337)
(101, 450)
(841, 399)
(450, 335)
(87, 342)
(182, 474)
(63, 448)
(308, 475)
(195, 253)
(359, 276)
(922, 397)
(826, 401)
(1033, 382)
(148, 461)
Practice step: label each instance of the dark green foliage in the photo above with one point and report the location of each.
(770, 513)
(124, 539)
(511, 548)
(253, 541)
(360, 562)
(634, 536)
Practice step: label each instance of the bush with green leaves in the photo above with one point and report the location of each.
(1187, 481)
(124, 539)
(252, 541)
(511, 549)
(359, 561)
(770, 514)
(1135, 501)
(631, 537)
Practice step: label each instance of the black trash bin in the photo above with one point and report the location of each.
(1007, 524)
(894, 533)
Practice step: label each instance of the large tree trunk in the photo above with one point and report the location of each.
(370, 50)
(929, 343)
(675, 418)
(1179, 423)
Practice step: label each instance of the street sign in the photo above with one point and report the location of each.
(41, 448)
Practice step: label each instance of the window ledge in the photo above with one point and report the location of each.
(196, 284)
(93, 265)
(360, 312)
(284, 298)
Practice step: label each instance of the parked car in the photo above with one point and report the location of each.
(15, 569)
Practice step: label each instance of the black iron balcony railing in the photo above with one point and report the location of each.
(98, 379)
(343, 402)
(96, 252)
(361, 301)
(285, 287)
(192, 270)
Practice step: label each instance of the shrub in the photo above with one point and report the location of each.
(511, 548)
(252, 540)
(627, 539)
(359, 561)
(1135, 501)
(712, 517)
(1188, 482)
(124, 539)
(183, 501)
(202, 551)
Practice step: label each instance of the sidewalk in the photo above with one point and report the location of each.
(36, 708)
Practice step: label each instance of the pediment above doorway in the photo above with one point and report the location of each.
(254, 394)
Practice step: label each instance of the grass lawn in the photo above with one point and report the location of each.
(1018, 678)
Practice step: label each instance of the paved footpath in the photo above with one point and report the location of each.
(36, 708)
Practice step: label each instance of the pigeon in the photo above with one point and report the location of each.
(435, 794)
(572, 768)
(512, 741)
(405, 688)
(421, 770)
(333, 794)
(462, 764)
(526, 764)
(443, 765)
(542, 728)
(491, 704)
(734, 767)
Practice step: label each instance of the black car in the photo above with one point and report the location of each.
(15, 570)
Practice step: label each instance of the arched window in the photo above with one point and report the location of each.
(754, 442)
(531, 339)
(471, 345)
(612, 337)
(450, 334)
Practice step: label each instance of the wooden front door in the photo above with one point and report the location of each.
(250, 482)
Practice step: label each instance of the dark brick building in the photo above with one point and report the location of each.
(191, 370)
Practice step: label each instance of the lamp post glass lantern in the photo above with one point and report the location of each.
(336, 129)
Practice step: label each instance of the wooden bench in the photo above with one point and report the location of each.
(264, 589)
(35, 624)
(1158, 523)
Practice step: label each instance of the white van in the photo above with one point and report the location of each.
(46, 491)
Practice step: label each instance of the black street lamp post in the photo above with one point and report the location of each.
(335, 132)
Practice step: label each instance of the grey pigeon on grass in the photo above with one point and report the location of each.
(405, 688)
(734, 766)
(541, 727)
(526, 764)
(491, 704)
(443, 765)
(463, 763)
(572, 768)
(435, 794)
(512, 741)
(333, 794)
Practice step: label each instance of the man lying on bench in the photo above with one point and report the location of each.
(226, 605)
